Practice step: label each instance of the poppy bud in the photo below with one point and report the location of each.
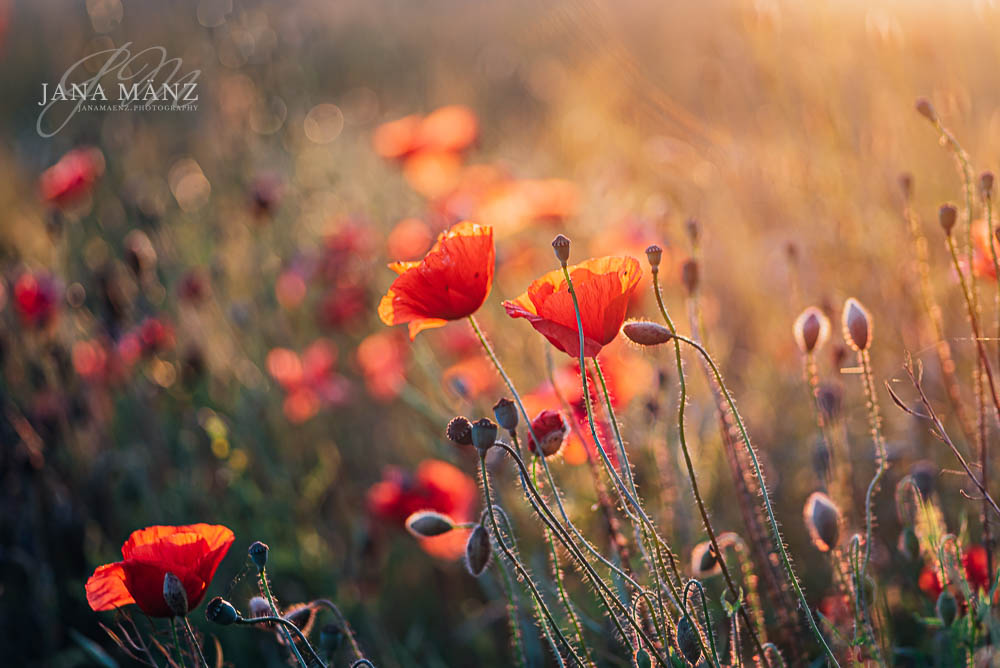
(925, 109)
(654, 254)
(687, 640)
(427, 524)
(175, 595)
(258, 554)
(857, 325)
(221, 611)
(909, 544)
(561, 247)
(924, 474)
(689, 275)
(459, 431)
(646, 333)
(330, 638)
(946, 608)
(259, 607)
(986, 184)
(478, 551)
(549, 428)
(704, 560)
(906, 185)
(811, 329)
(642, 659)
(822, 518)
(484, 435)
(947, 215)
(505, 411)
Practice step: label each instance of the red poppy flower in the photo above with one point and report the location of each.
(451, 282)
(550, 428)
(974, 563)
(190, 552)
(436, 485)
(72, 177)
(382, 358)
(36, 298)
(603, 287)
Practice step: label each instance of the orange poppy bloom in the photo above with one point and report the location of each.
(603, 287)
(450, 283)
(190, 552)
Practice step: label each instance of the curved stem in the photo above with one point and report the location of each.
(329, 605)
(708, 620)
(262, 576)
(285, 624)
(194, 641)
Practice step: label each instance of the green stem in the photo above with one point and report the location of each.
(285, 624)
(708, 620)
(194, 641)
(262, 575)
(178, 654)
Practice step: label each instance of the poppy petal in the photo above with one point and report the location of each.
(106, 588)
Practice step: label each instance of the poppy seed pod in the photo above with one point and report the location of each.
(646, 333)
(812, 328)
(822, 518)
(174, 595)
(459, 431)
(258, 554)
(484, 434)
(220, 611)
(550, 429)
(986, 184)
(925, 109)
(687, 640)
(427, 524)
(947, 216)
(689, 275)
(946, 608)
(478, 551)
(505, 411)
(561, 247)
(857, 325)
(654, 254)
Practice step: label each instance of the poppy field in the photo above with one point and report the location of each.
(453, 334)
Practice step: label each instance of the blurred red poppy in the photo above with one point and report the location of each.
(603, 287)
(73, 177)
(36, 298)
(192, 553)
(982, 255)
(309, 380)
(382, 358)
(974, 564)
(451, 282)
(435, 485)
(451, 128)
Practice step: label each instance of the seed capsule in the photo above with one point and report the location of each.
(459, 431)
(857, 325)
(654, 254)
(221, 611)
(505, 411)
(258, 554)
(484, 434)
(947, 216)
(561, 247)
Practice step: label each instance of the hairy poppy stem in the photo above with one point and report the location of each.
(178, 654)
(708, 620)
(285, 624)
(262, 577)
(194, 641)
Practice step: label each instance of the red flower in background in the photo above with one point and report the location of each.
(382, 358)
(309, 379)
(435, 485)
(550, 428)
(982, 255)
(191, 552)
(603, 287)
(447, 129)
(36, 298)
(974, 564)
(450, 283)
(73, 177)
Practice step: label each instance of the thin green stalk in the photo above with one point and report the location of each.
(194, 641)
(284, 625)
(880, 452)
(262, 576)
(708, 620)
(178, 654)
(515, 627)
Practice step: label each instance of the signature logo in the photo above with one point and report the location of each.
(117, 80)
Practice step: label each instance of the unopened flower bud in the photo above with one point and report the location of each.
(946, 608)
(689, 275)
(459, 431)
(478, 551)
(505, 411)
(947, 215)
(704, 560)
(550, 429)
(175, 595)
(221, 611)
(822, 518)
(561, 247)
(925, 109)
(258, 554)
(857, 325)
(811, 329)
(986, 184)
(427, 524)
(687, 640)
(646, 333)
(654, 254)
(484, 434)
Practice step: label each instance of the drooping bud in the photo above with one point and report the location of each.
(822, 518)
(484, 434)
(642, 659)
(906, 185)
(925, 109)
(478, 551)
(704, 560)
(550, 429)
(258, 554)
(459, 431)
(689, 275)
(812, 328)
(946, 608)
(654, 254)
(646, 333)
(947, 216)
(427, 524)
(221, 611)
(857, 325)
(687, 640)
(561, 247)
(505, 411)
(909, 544)
(986, 184)
(175, 595)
